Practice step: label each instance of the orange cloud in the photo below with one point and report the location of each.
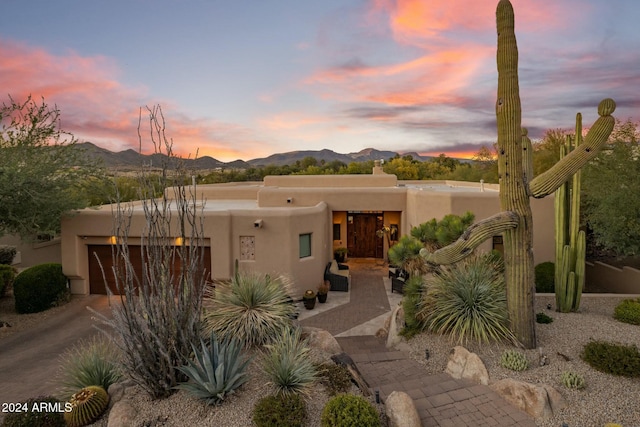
(96, 107)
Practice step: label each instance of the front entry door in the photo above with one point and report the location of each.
(362, 241)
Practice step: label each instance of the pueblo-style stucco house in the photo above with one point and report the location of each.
(292, 224)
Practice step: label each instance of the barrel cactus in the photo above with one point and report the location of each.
(86, 406)
(514, 360)
(572, 380)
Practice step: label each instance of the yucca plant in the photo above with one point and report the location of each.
(94, 362)
(216, 371)
(253, 307)
(288, 365)
(466, 301)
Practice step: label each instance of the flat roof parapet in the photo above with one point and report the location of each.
(331, 181)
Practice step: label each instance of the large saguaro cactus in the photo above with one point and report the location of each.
(517, 185)
(570, 240)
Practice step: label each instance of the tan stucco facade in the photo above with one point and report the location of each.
(261, 224)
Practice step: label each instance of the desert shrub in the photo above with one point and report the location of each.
(545, 277)
(253, 307)
(436, 234)
(406, 254)
(412, 296)
(7, 254)
(348, 410)
(616, 359)
(572, 380)
(280, 411)
(336, 378)
(628, 311)
(543, 318)
(288, 365)
(39, 288)
(86, 406)
(514, 360)
(467, 300)
(29, 418)
(216, 371)
(94, 362)
(7, 276)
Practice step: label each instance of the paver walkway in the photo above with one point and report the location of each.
(439, 399)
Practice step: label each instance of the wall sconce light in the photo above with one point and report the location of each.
(290, 200)
(257, 223)
(179, 241)
(113, 240)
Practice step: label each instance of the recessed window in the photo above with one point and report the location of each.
(305, 245)
(336, 231)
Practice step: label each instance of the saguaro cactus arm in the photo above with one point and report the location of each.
(547, 182)
(472, 238)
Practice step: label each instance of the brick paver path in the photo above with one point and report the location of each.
(439, 399)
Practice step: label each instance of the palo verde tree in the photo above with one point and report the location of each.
(517, 185)
(43, 173)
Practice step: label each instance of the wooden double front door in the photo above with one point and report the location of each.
(362, 240)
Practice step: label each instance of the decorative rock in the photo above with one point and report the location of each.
(121, 415)
(539, 401)
(396, 323)
(116, 393)
(400, 410)
(321, 340)
(464, 364)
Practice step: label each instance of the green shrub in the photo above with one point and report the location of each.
(336, 378)
(86, 406)
(348, 410)
(39, 288)
(628, 311)
(7, 276)
(545, 277)
(616, 359)
(543, 318)
(92, 362)
(410, 300)
(572, 380)
(252, 307)
(280, 411)
(7, 254)
(288, 365)
(216, 371)
(467, 300)
(53, 417)
(514, 360)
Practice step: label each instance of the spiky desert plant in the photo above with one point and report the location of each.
(253, 307)
(95, 361)
(217, 369)
(467, 301)
(86, 406)
(288, 365)
(572, 380)
(514, 360)
(517, 185)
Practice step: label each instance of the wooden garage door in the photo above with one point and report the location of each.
(102, 254)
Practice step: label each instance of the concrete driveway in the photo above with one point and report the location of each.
(29, 359)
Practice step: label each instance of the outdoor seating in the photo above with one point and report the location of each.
(398, 281)
(338, 275)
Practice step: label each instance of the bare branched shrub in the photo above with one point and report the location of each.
(159, 312)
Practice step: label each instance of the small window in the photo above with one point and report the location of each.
(336, 232)
(305, 245)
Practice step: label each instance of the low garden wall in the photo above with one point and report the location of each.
(601, 277)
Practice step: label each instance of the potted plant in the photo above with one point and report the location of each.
(340, 253)
(309, 299)
(323, 290)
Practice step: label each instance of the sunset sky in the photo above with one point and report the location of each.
(244, 79)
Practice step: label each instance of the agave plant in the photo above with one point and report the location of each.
(467, 300)
(216, 371)
(289, 366)
(252, 307)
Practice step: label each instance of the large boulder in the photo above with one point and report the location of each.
(465, 364)
(321, 340)
(400, 410)
(121, 415)
(396, 323)
(539, 401)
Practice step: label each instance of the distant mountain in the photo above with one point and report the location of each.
(128, 159)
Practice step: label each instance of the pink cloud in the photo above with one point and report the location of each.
(96, 107)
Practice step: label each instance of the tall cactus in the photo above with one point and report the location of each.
(570, 240)
(517, 186)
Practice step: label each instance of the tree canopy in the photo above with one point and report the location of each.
(42, 173)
